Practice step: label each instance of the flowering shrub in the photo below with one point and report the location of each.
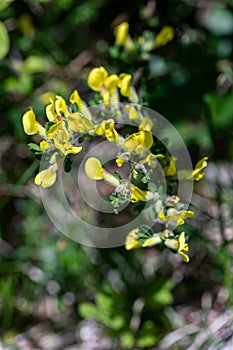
(68, 123)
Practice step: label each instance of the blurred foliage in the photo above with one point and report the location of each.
(139, 297)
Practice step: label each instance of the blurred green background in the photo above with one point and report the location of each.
(56, 294)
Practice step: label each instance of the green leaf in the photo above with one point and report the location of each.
(4, 40)
(87, 310)
(4, 4)
(104, 302)
(34, 147)
(117, 175)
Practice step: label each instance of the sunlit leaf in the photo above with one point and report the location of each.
(4, 41)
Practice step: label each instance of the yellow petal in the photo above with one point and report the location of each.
(30, 124)
(78, 123)
(197, 174)
(146, 124)
(163, 37)
(124, 84)
(152, 241)
(112, 82)
(120, 162)
(184, 256)
(137, 194)
(60, 106)
(142, 138)
(75, 98)
(73, 150)
(132, 240)
(94, 169)
(171, 170)
(133, 114)
(50, 112)
(96, 78)
(45, 178)
(121, 33)
(44, 145)
(107, 127)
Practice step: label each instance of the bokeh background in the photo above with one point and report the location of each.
(56, 294)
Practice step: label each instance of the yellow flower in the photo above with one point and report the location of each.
(132, 240)
(79, 123)
(182, 246)
(120, 162)
(126, 89)
(30, 124)
(171, 169)
(44, 145)
(46, 178)
(133, 114)
(95, 171)
(60, 136)
(137, 194)
(174, 214)
(99, 80)
(179, 245)
(197, 174)
(164, 36)
(150, 159)
(50, 112)
(155, 239)
(75, 98)
(106, 127)
(146, 124)
(61, 106)
(121, 33)
(139, 142)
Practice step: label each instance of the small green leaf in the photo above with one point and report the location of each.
(4, 40)
(118, 176)
(88, 310)
(34, 147)
(4, 4)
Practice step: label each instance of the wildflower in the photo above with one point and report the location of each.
(197, 174)
(79, 123)
(120, 162)
(137, 194)
(95, 171)
(44, 145)
(133, 114)
(122, 36)
(121, 33)
(154, 240)
(106, 127)
(146, 124)
(171, 168)
(61, 106)
(164, 36)
(30, 124)
(139, 142)
(75, 98)
(150, 159)
(132, 240)
(173, 214)
(179, 245)
(60, 136)
(126, 89)
(99, 80)
(46, 178)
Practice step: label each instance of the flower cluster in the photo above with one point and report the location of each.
(125, 46)
(69, 122)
